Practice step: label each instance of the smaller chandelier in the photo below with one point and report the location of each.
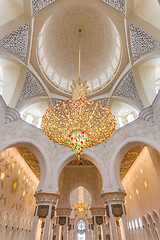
(78, 123)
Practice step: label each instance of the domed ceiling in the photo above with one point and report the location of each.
(58, 44)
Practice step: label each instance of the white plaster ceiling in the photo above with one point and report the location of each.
(14, 8)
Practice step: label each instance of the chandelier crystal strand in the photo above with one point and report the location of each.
(78, 123)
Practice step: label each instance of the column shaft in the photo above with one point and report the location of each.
(113, 226)
(95, 231)
(35, 225)
(65, 231)
(104, 231)
(125, 229)
(47, 224)
(58, 231)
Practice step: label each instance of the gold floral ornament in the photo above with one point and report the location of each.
(81, 207)
(78, 123)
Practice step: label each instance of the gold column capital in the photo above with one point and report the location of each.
(113, 196)
(63, 212)
(46, 197)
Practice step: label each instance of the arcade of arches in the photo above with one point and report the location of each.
(113, 192)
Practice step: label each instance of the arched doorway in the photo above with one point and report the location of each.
(81, 230)
(79, 192)
(76, 174)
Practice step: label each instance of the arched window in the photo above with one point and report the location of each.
(120, 121)
(130, 227)
(140, 223)
(39, 122)
(81, 230)
(130, 117)
(29, 118)
(136, 224)
(33, 113)
(133, 226)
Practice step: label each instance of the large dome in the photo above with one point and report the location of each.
(58, 47)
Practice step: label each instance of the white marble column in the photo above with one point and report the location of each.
(95, 229)
(64, 213)
(66, 229)
(51, 230)
(58, 231)
(46, 199)
(72, 226)
(35, 225)
(113, 227)
(69, 235)
(47, 224)
(90, 231)
(103, 231)
(124, 223)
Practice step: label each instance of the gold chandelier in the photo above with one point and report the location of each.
(78, 123)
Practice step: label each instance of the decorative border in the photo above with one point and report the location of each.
(117, 4)
(127, 88)
(37, 5)
(16, 43)
(141, 43)
(31, 89)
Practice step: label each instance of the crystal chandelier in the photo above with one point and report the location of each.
(78, 123)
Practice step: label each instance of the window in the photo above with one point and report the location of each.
(39, 122)
(29, 118)
(140, 223)
(125, 116)
(130, 117)
(81, 230)
(133, 226)
(120, 121)
(136, 224)
(130, 227)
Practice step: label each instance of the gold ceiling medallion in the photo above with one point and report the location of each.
(78, 123)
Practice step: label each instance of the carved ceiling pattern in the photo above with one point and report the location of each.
(31, 89)
(31, 160)
(129, 159)
(16, 43)
(83, 162)
(117, 4)
(142, 43)
(55, 101)
(103, 101)
(40, 4)
(127, 88)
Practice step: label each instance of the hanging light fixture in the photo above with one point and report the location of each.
(81, 206)
(78, 123)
